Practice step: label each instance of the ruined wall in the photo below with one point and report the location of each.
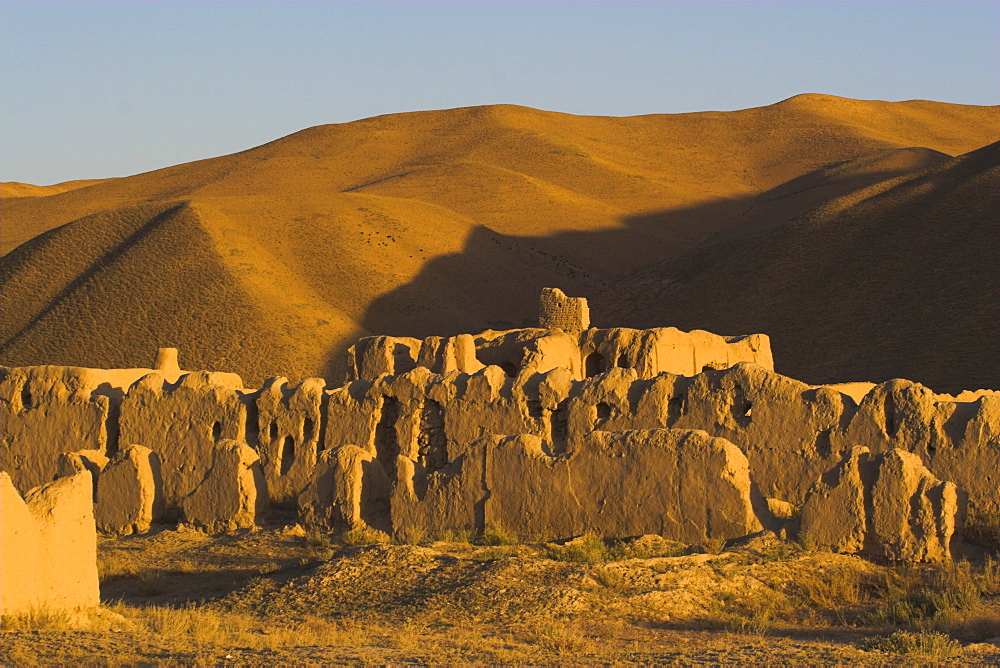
(289, 434)
(182, 423)
(555, 429)
(48, 546)
(557, 311)
(44, 412)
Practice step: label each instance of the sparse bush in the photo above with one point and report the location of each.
(589, 548)
(982, 527)
(364, 536)
(497, 536)
(714, 545)
(413, 535)
(830, 588)
(921, 643)
(451, 536)
(560, 636)
(609, 578)
(36, 619)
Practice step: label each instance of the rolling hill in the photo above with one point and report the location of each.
(273, 260)
(899, 279)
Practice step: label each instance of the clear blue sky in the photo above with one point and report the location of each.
(99, 89)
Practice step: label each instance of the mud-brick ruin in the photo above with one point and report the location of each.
(550, 431)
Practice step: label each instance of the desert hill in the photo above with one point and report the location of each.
(899, 279)
(274, 259)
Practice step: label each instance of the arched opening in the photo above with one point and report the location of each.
(602, 413)
(273, 433)
(287, 455)
(594, 364)
(217, 431)
(386, 440)
(25, 396)
(308, 428)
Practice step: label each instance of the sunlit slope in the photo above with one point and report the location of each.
(13, 189)
(425, 223)
(897, 280)
(108, 290)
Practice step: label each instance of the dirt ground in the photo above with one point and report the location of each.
(282, 596)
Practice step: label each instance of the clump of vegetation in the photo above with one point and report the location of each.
(920, 643)
(495, 536)
(412, 536)
(36, 619)
(942, 597)
(588, 548)
(364, 536)
(451, 536)
(982, 527)
(560, 636)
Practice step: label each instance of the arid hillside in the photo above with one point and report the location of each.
(273, 260)
(900, 279)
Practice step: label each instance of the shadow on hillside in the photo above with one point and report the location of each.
(496, 279)
(844, 301)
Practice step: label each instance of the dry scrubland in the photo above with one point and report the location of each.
(273, 260)
(284, 596)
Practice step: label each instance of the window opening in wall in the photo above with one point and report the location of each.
(308, 428)
(432, 442)
(742, 408)
(25, 395)
(602, 413)
(287, 455)
(594, 364)
(386, 440)
(622, 361)
(675, 410)
(273, 431)
(889, 409)
(217, 431)
(560, 429)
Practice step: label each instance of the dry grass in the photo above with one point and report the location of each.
(452, 602)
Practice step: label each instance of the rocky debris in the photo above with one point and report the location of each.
(885, 505)
(48, 546)
(233, 494)
(129, 492)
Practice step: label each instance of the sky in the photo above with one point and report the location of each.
(103, 89)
